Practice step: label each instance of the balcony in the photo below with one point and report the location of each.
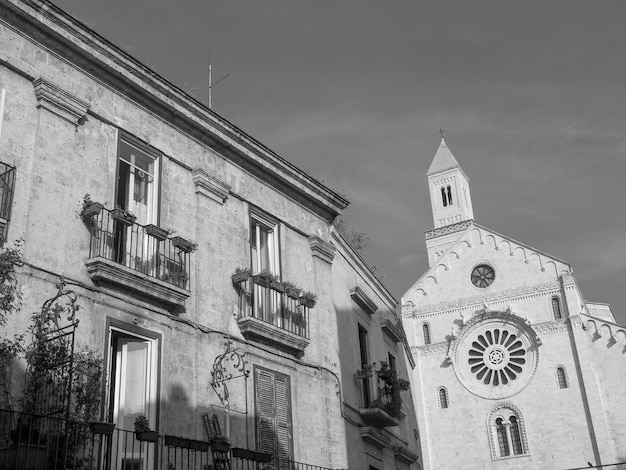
(380, 396)
(35, 442)
(269, 315)
(127, 256)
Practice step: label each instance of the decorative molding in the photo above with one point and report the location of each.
(508, 295)
(373, 436)
(363, 300)
(378, 417)
(522, 428)
(404, 455)
(436, 349)
(448, 229)
(255, 329)
(550, 328)
(322, 249)
(391, 330)
(60, 102)
(210, 186)
(104, 271)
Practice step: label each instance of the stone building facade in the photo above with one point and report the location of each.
(79, 116)
(515, 370)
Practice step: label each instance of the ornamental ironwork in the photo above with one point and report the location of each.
(229, 365)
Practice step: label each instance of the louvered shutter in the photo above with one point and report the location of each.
(283, 418)
(265, 411)
(273, 410)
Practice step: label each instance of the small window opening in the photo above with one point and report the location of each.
(561, 377)
(426, 330)
(449, 195)
(444, 198)
(443, 398)
(556, 308)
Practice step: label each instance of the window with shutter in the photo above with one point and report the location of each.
(273, 413)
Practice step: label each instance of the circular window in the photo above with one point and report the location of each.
(495, 355)
(483, 275)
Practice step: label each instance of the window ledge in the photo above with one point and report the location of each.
(391, 330)
(103, 271)
(375, 437)
(378, 417)
(253, 328)
(363, 300)
(404, 455)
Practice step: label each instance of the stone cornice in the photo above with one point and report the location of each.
(391, 330)
(507, 295)
(60, 102)
(374, 436)
(322, 249)
(72, 41)
(363, 301)
(404, 455)
(458, 227)
(210, 186)
(436, 349)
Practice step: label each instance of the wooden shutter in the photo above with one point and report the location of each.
(273, 413)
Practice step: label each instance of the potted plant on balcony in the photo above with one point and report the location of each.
(365, 372)
(393, 386)
(308, 299)
(277, 285)
(264, 278)
(157, 232)
(240, 275)
(90, 208)
(292, 290)
(184, 244)
(123, 216)
(142, 430)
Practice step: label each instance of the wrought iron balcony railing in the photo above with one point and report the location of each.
(377, 399)
(36, 442)
(144, 249)
(267, 302)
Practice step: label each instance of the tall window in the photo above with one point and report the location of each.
(444, 196)
(132, 385)
(392, 361)
(556, 308)
(364, 356)
(426, 331)
(264, 244)
(508, 434)
(449, 195)
(561, 378)
(273, 413)
(442, 397)
(137, 188)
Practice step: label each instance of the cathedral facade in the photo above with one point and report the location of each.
(515, 370)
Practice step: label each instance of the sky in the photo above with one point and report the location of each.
(531, 96)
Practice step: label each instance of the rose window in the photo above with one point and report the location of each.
(496, 357)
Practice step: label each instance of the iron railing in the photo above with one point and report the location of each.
(36, 442)
(138, 247)
(374, 391)
(267, 302)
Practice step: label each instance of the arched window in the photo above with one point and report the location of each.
(508, 436)
(442, 397)
(556, 308)
(561, 378)
(449, 195)
(444, 198)
(426, 330)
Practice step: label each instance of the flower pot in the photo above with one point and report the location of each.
(238, 278)
(98, 427)
(201, 446)
(123, 217)
(147, 436)
(24, 457)
(293, 293)
(262, 280)
(278, 286)
(175, 441)
(91, 209)
(307, 302)
(156, 232)
(182, 244)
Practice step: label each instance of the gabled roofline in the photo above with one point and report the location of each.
(57, 31)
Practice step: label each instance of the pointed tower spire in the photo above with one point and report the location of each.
(449, 189)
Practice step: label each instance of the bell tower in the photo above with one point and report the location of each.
(450, 200)
(450, 197)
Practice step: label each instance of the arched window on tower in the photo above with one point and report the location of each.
(442, 397)
(444, 198)
(449, 195)
(508, 436)
(556, 308)
(561, 377)
(426, 331)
